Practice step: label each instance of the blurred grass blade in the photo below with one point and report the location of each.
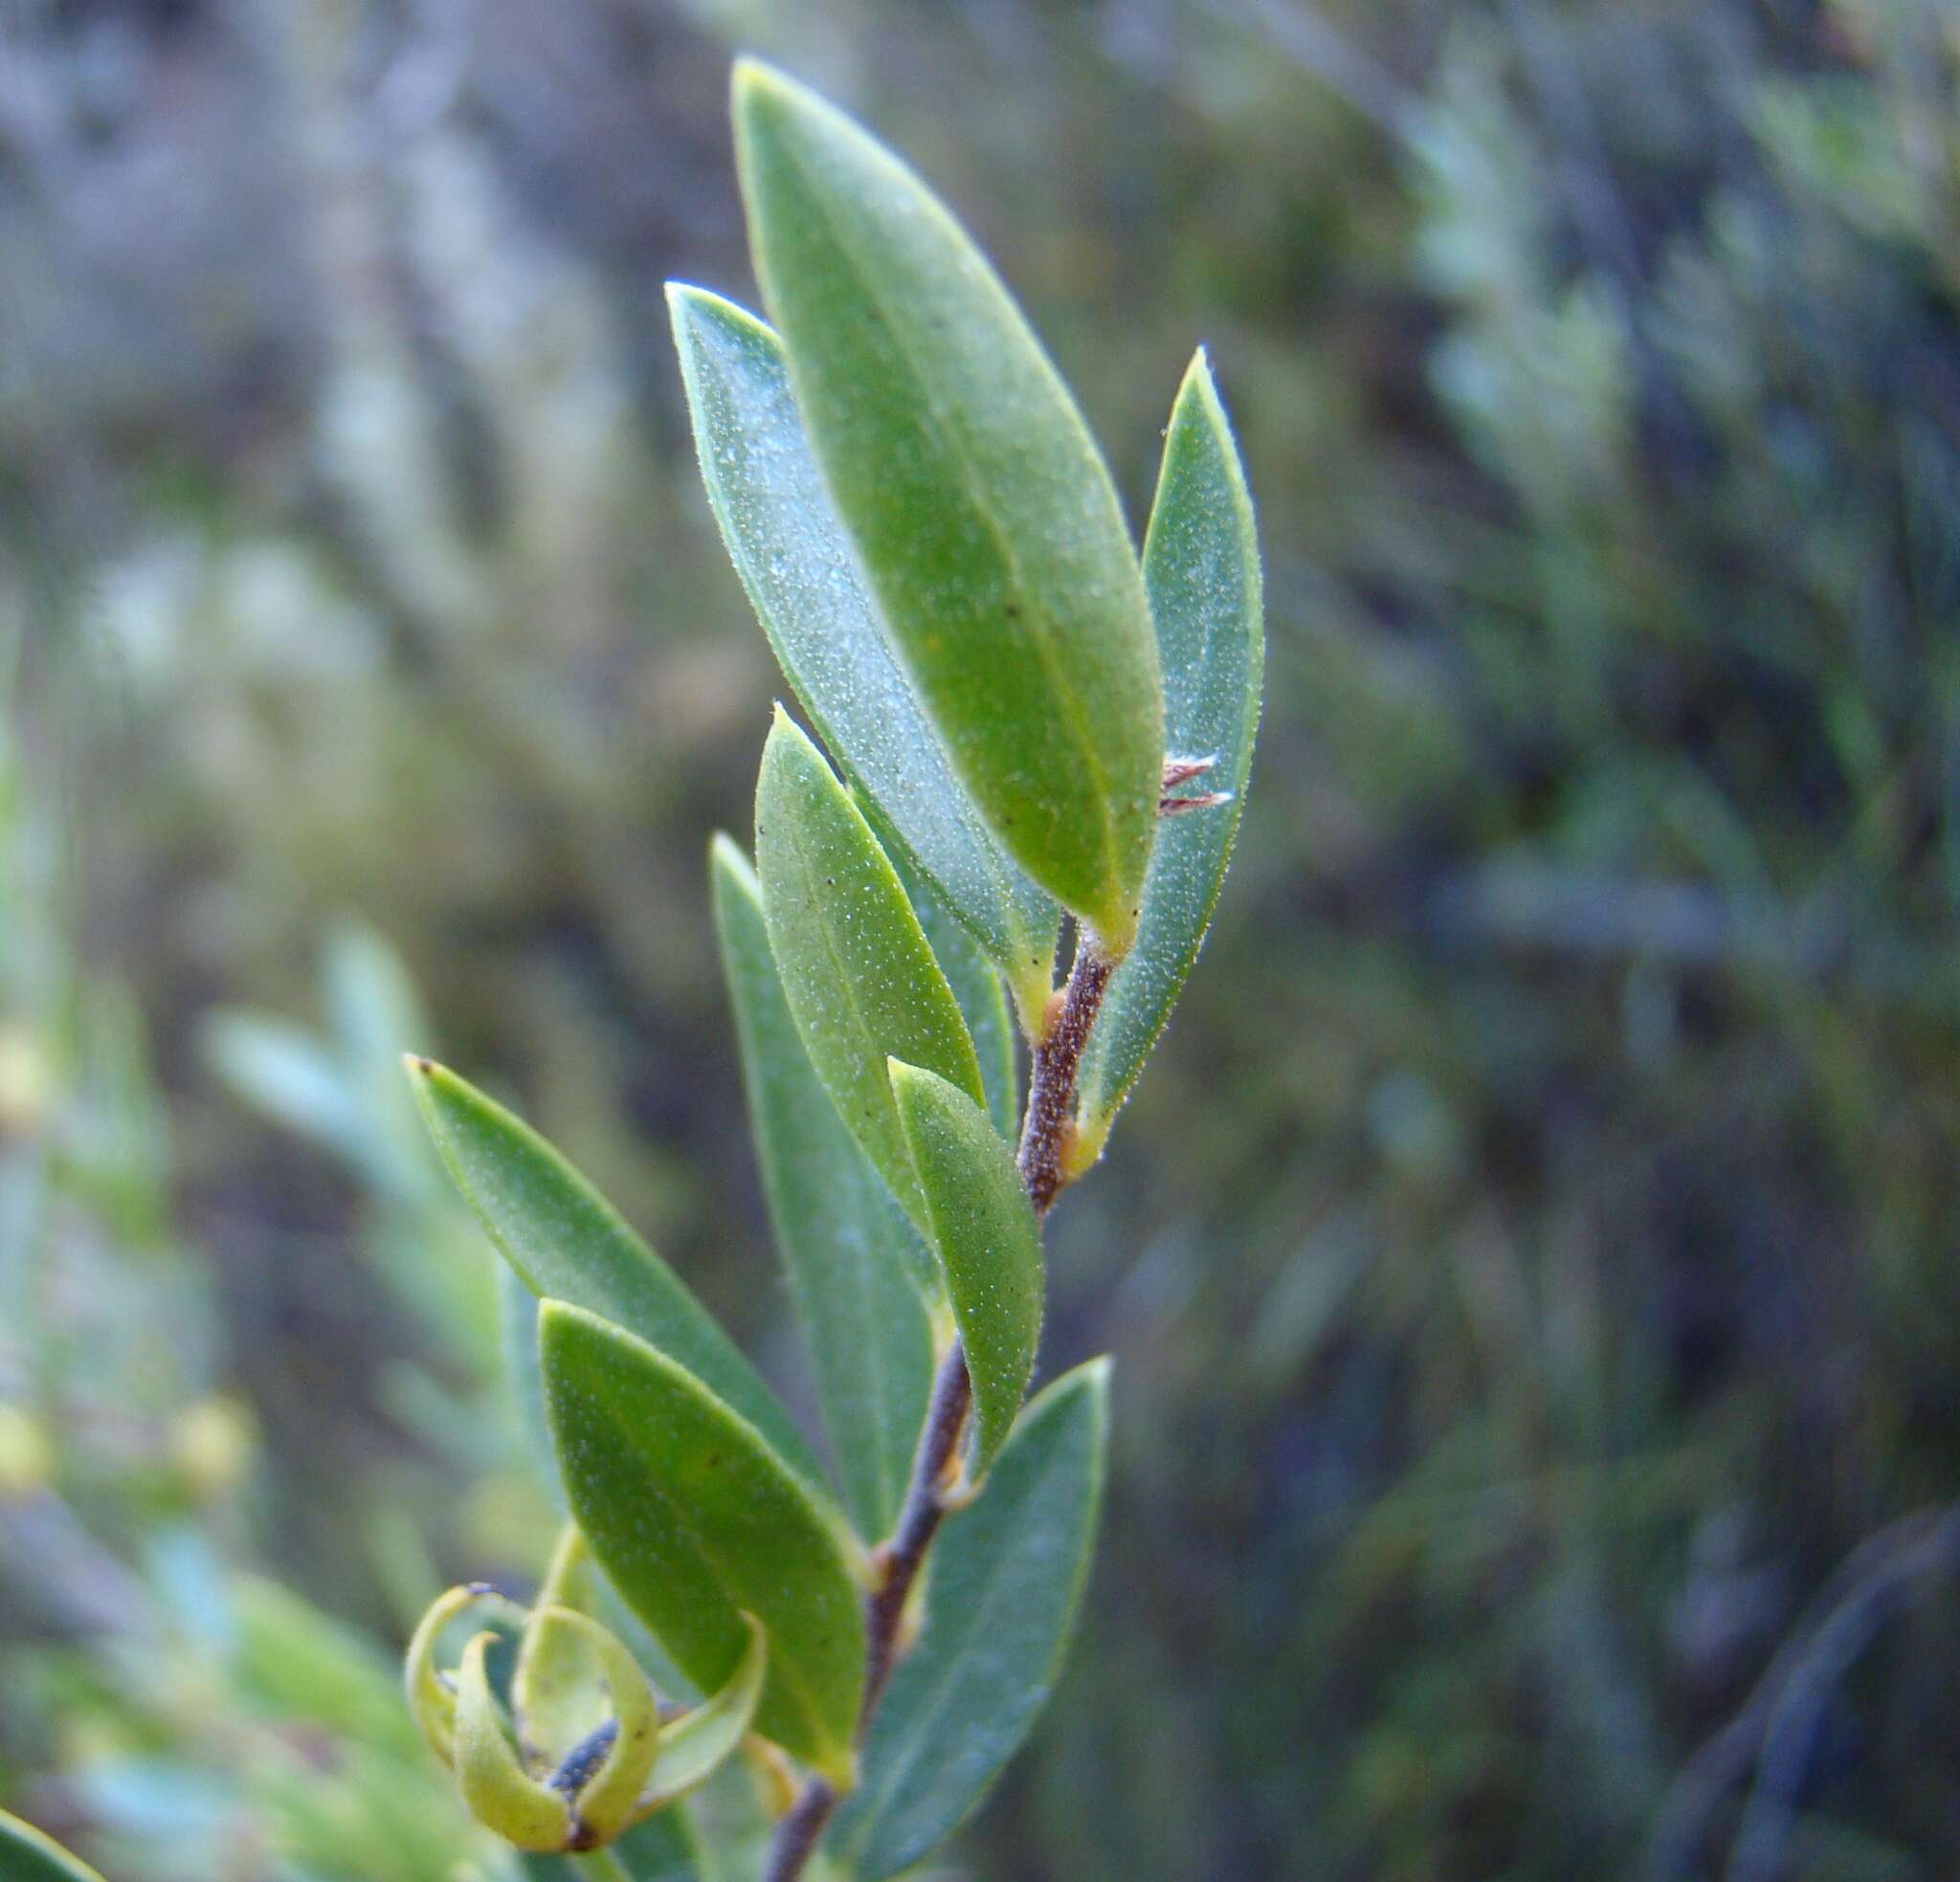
(290, 1074)
(567, 1242)
(695, 1520)
(1202, 563)
(983, 1229)
(857, 969)
(856, 1266)
(984, 518)
(1007, 1577)
(802, 576)
(28, 1854)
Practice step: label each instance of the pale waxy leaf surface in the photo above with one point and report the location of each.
(566, 1242)
(1007, 1577)
(857, 969)
(856, 1266)
(28, 1854)
(801, 573)
(984, 518)
(696, 1519)
(1201, 561)
(983, 1229)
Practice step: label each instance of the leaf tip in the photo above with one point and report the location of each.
(727, 858)
(755, 85)
(1199, 388)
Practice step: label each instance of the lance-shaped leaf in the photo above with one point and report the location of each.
(984, 518)
(797, 564)
(983, 1229)
(1202, 563)
(1007, 1577)
(982, 999)
(857, 969)
(856, 1266)
(695, 1520)
(567, 1242)
(28, 1854)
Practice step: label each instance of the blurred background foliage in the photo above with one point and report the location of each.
(1530, 1260)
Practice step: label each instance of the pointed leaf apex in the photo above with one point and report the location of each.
(725, 853)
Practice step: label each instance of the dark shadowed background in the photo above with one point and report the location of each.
(1530, 1258)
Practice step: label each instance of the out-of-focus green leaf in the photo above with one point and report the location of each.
(794, 559)
(1201, 561)
(983, 1000)
(517, 1313)
(28, 1854)
(695, 1520)
(1007, 1577)
(567, 1242)
(983, 1229)
(856, 1266)
(984, 517)
(857, 969)
(307, 1666)
(287, 1073)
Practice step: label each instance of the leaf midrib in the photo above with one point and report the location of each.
(992, 856)
(1053, 667)
(810, 1709)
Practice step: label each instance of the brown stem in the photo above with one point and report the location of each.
(797, 1835)
(1052, 1082)
(900, 1560)
(1045, 1134)
(896, 1564)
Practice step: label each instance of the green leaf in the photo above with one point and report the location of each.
(983, 1000)
(27, 1855)
(856, 1266)
(981, 1227)
(567, 1242)
(1201, 561)
(695, 1520)
(984, 517)
(1007, 1577)
(857, 969)
(802, 576)
(516, 1312)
